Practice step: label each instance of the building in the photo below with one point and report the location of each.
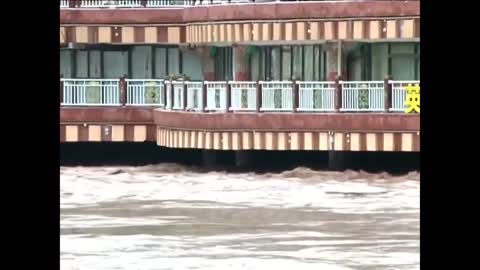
(300, 56)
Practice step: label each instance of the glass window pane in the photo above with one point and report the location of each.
(308, 63)
(417, 75)
(297, 62)
(81, 64)
(115, 64)
(355, 69)
(192, 66)
(66, 63)
(316, 63)
(286, 63)
(229, 64)
(403, 68)
(95, 64)
(379, 64)
(254, 65)
(275, 64)
(173, 61)
(141, 62)
(402, 48)
(160, 63)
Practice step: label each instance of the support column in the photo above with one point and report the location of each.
(336, 60)
(338, 160)
(210, 158)
(216, 158)
(208, 63)
(240, 63)
(244, 159)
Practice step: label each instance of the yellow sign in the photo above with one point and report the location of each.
(413, 98)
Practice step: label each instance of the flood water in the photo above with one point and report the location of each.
(176, 217)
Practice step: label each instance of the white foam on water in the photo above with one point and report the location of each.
(161, 217)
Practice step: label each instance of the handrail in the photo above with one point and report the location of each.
(250, 96)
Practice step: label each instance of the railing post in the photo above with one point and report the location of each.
(228, 94)
(171, 95)
(388, 93)
(295, 96)
(164, 90)
(204, 96)
(123, 90)
(259, 96)
(144, 3)
(61, 90)
(185, 95)
(71, 3)
(338, 94)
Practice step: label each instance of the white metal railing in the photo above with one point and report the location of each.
(316, 96)
(277, 95)
(243, 96)
(175, 88)
(111, 3)
(216, 96)
(64, 3)
(399, 94)
(194, 96)
(363, 96)
(145, 92)
(91, 92)
(168, 3)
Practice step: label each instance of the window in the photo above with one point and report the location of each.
(276, 64)
(379, 61)
(308, 60)
(297, 60)
(81, 64)
(376, 61)
(286, 65)
(160, 63)
(360, 59)
(174, 56)
(141, 62)
(94, 64)
(223, 63)
(66, 63)
(284, 62)
(115, 64)
(404, 61)
(192, 66)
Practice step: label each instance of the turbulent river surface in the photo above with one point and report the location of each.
(173, 217)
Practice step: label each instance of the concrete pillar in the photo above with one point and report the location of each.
(336, 60)
(240, 63)
(208, 63)
(210, 158)
(244, 159)
(338, 160)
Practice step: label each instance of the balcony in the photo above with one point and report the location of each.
(242, 96)
(181, 3)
